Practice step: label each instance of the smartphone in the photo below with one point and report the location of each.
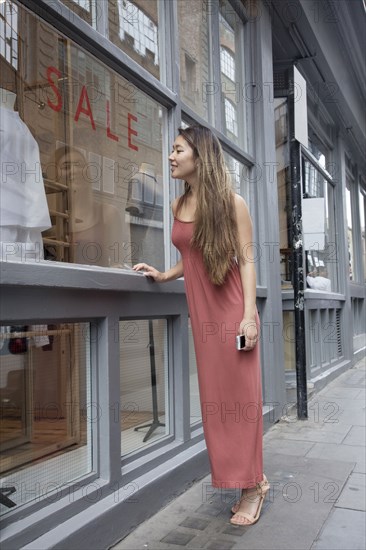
(240, 342)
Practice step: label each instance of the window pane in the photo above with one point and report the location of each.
(361, 202)
(195, 404)
(196, 85)
(232, 77)
(47, 414)
(134, 27)
(283, 190)
(321, 255)
(144, 383)
(289, 340)
(86, 9)
(350, 235)
(93, 159)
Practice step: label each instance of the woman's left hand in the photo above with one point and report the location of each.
(248, 327)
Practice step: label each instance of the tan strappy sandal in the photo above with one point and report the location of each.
(262, 488)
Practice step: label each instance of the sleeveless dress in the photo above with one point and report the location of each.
(229, 380)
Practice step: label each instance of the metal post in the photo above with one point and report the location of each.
(297, 257)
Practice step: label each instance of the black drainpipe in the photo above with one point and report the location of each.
(297, 257)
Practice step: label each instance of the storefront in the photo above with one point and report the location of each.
(100, 415)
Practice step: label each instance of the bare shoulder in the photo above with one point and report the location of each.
(241, 206)
(174, 205)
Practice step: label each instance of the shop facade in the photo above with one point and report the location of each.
(101, 420)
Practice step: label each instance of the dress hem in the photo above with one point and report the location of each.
(237, 484)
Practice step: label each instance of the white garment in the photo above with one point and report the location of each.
(319, 283)
(23, 202)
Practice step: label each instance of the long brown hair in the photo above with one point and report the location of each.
(215, 232)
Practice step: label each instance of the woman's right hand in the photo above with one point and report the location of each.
(150, 271)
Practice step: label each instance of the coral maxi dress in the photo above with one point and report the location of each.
(229, 380)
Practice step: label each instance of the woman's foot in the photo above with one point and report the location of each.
(247, 510)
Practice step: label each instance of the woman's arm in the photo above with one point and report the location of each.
(246, 262)
(170, 275)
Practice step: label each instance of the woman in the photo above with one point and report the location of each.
(213, 231)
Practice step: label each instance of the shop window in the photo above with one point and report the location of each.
(194, 48)
(362, 207)
(90, 146)
(319, 241)
(86, 9)
(195, 404)
(289, 340)
(134, 26)
(283, 190)
(47, 413)
(350, 230)
(144, 380)
(232, 79)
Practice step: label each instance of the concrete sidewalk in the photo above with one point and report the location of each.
(317, 499)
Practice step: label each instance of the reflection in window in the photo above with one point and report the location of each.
(134, 27)
(85, 4)
(195, 404)
(144, 383)
(350, 235)
(231, 31)
(8, 34)
(231, 118)
(86, 9)
(283, 190)
(194, 46)
(289, 340)
(140, 28)
(313, 181)
(362, 205)
(47, 414)
(318, 150)
(227, 63)
(321, 256)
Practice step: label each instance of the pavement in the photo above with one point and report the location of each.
(316, 468)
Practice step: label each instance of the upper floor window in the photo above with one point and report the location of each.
(227, 63)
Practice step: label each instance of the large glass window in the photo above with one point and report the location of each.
(195, 404)
(134, 26)
(283, 189)
(362, 207)
(144, 383)
(350, 230)
(47, 413)
(89, 146)
(196, 83)
(321, 249)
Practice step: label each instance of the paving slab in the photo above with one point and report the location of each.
(344, 530)
(356, 436)
(354, 493)
(348, 453)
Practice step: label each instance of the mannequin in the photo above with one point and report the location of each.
(23, 204)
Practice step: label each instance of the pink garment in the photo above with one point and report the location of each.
(229, 380)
